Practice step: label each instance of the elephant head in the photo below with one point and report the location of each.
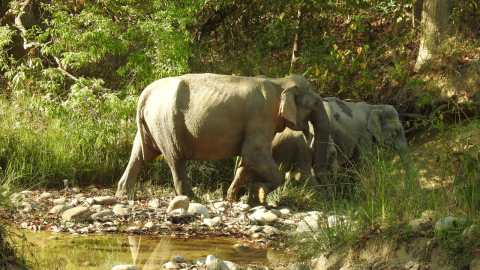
(384, 125)
(301, 104)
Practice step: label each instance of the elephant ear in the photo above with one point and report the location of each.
(375, 123)
(288, 104)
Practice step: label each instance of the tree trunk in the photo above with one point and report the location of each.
(296, 46)
(434, 26)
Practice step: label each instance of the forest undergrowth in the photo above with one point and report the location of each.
(68, 99)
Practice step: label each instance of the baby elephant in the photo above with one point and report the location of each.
(293, 152)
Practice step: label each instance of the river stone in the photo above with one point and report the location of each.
(76, 214)
(239, 247)
(30, 204)
(104, 200)
(254, 209)
(59, 209)
(335, 221)
(45, 195)
(213, 222)
(243, 207)
(171, 265)
(319, 215)
(155, 203)
(298, 266)
(218, 205)
(179, 212)
(217, 264)
(419, 224)
(231, 265)
(121, 210)
(61, 200)
(276, 212)
(76, 190)
(256, 228)
(449, 223)
(181, 201)
(269, 217)
(270, 230)
(286, 212)
(200, 261)
(308, 224)
(471, 232)
(209, 259)
(258, 220)
(105, 214)
(199, 209)
(430, 214)
(178, 258)
(97, 207)
(124, 267)
(149, 225)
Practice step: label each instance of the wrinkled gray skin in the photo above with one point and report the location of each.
(355, 127)
(212, 117)
(293, 152)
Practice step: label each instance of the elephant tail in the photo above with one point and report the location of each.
(237, 164)
(140, 126)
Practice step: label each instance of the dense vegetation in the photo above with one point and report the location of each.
(71, 72)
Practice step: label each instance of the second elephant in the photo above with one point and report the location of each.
(293, 152)
(354, 129)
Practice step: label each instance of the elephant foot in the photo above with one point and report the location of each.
(258, 196)
(121, 194)
(262, 195)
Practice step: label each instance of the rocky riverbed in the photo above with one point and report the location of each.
(95, 211)
(92, 210)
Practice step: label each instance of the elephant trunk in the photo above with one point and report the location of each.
(321, 129)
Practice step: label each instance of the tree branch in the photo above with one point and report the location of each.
(63, 71)
(18, 23)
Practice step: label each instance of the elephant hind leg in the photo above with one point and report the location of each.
(178, 167)
(130, 176)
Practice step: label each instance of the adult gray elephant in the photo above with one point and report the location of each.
(356, 127)
(293, 152)
(211, 117)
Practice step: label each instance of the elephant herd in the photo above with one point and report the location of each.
(266, 122)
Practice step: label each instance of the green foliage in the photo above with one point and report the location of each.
(129, 44)
(82, 139)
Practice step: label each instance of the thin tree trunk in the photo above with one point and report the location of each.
(434, 26)
(296, 46)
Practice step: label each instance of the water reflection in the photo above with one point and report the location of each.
(145, 252)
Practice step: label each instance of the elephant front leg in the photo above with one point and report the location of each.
(264, 178)
(130, 176)
(241, 174)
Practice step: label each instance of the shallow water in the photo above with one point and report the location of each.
(145, 252)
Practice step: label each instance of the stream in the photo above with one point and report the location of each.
(65, 251)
